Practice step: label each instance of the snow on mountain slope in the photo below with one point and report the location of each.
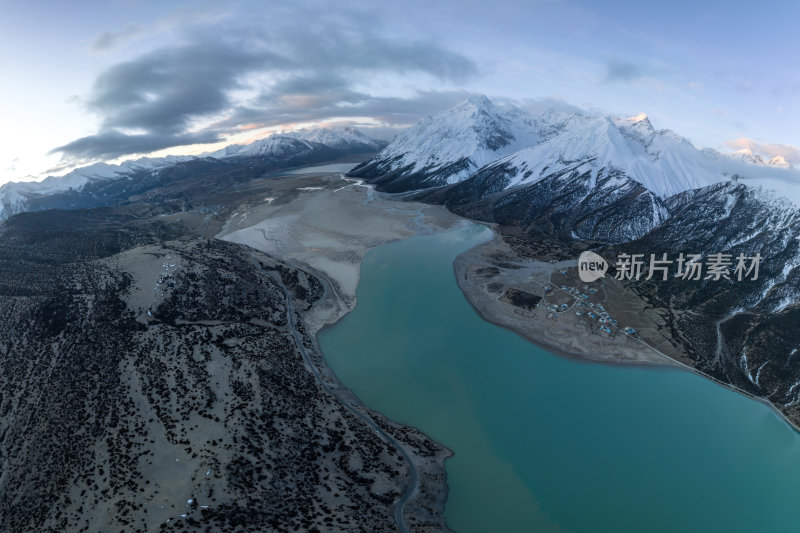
(733, 327)
(594, 177)
(454, 145)
(747, 155)
(572, 198)
(738, 218)
(274, 146)
(587, 145)
(675, 164)
(346, 138)
(661, 161)
(779, 161)
(15, 195)
(448, 147)
(475, 129)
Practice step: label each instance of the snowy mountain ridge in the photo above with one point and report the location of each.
(448, 147)
(14, 196)
(345, 138)
(452, 146)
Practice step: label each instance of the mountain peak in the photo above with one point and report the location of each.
(747, 155)
(475, 102)
(448, 146)
(779, 162)
(345, 137)
(640, 122)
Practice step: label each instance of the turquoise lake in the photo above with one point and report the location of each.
(546, 444)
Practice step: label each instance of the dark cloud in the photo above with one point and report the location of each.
(280, 107)
(306, 73)
(163, 90)
(286, 108)
(623, 71)
(113, 144)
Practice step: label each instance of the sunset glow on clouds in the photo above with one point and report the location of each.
(790, 153)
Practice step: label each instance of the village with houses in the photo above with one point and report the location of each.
(543, 299)
(564, 302)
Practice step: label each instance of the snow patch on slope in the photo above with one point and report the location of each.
(15, 195)
(476, 130)
(660, 160)
(279, 144)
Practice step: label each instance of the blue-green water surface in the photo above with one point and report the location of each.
(546, 444)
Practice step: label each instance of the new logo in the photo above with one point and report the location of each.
(591, 267)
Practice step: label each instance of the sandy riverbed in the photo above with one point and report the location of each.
(327, 228)
(325, 224)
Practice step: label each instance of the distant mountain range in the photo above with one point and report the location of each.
(346, 139)
(747, 155)
(77, 188)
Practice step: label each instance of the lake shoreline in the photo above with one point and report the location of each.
(518, 417)
(332, 211)
(405, 219)
(424, 504)
(491, 315)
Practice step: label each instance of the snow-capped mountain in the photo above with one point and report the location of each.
(655, 159)
(611, 175)
(747, 155)
(14, 196)
(779, 162)
(463, 141)
(345, 140)
(278, 145)
(596, 177)
(449, 147)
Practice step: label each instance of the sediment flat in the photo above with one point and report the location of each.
(324, 224)
(486, 272)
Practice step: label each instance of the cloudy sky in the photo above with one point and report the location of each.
(101, 81)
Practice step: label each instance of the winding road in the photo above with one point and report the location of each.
(349, 403)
